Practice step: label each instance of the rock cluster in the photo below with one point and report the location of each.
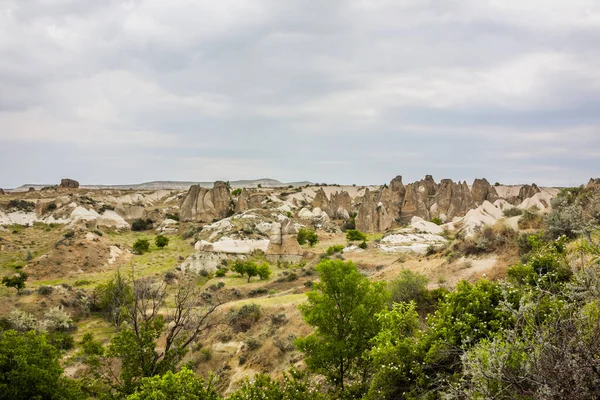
(69, 184)
(249, 199)
(338, 207)
(482, 191)
(373, 215)
(283, 238)
(206, 205)
(594, 183)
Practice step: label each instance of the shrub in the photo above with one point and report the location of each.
(353, 235)
(289, 214)
(242, 320)
(21, 205)
(69, 235)
(174, 217)
(307, 236)
(161, 241)
(57, 320)
(51, 207)
(337, 248)
(141, 246)
(530, 220)
(363, 245)
(263, 271)
(82, 282)
(512, 212)
(236, 192)
(45, 290)
(105, 207)
(253, 343)
(437, 221)
(139, 225)
(22, 321)
(221, 272)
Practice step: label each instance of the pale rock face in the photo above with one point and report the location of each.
(203, 261)
(410, 242)
(305, 213)
(206, 205)
(249, 199)
(131, 212)
(283, 238)
(233, 246)
(425, 226)
(594, 183)
(372, 214)
(81, 213)
(112, 219)
(264, 227)
(168, 226)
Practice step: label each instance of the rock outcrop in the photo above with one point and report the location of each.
(373, 215)
(420, 196)
(528, 191)
(321, 201)
(2, 192)
(592, 184)
(249, 199)
(283, 238)
(69, 184)
(482, 191)
(451, 200)
(339, 206)
(206, 205)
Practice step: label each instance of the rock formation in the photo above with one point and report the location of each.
(69, 184)
(420, 196)
(338, 207)
(592, 184)
(528, 191)
(249, 199)
(321, 201)
(283, 238)
(482, 191)
(205, 205)
(373, 215)
(2, 192)
(451, 200)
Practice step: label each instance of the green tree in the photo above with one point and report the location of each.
(293, 386)
(307, 236)
(343, 308)
(161, 241)
(183, 385)
(245, 268)
(17, 281)
(263, 271)
(141, 246)
(114, 299)
(352, 235)
(29, 368)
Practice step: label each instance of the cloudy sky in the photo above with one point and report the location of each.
(348, 91)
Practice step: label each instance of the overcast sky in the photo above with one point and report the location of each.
(348, 91)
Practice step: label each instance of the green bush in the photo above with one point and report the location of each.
(21, 205)
(437, 221)
(141, 246)
(51, 207)
(512, 212)
(236, 192)
(45, 290)
(337, 248)
(161, 241)
(242, 320)
(307, 236)
(221, 272)
(264, 272)
(363, 245)
(354, 235)
(174, 217)
(530, 220)
(139, 225)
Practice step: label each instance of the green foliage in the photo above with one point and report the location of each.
(221, 272)
(183, 385)
(113, 299)
(45, 290)
(437, 221)
(141, 246)
(342, 307)
(530, 220)
(51, 207)
(337, 248)
(487, 240)
(293, 386)
(245, 267)
(512, 212)
(30, 369)
(139, 225)
(352, 235)
(161, 241)
(307, 236)
(242, 320)
(363, 245)
(174, 217)
(236, 192)
(16, 281)
(21, 205)
(263, 271)
(408, 286)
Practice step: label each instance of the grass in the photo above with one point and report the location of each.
(272, 301)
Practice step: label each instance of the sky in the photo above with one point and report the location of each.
(337, 91)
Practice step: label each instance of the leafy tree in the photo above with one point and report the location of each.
(307, 236)
(183, 385)
(17, 281)
(245, 268)
(114, 299)
(29, 368)
(141, 246)
(141, 225)
(352, 235)
(161, 241)
(293, 386)
(343, 308)
(263, 271)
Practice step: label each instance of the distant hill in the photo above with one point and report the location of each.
(178, 185)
